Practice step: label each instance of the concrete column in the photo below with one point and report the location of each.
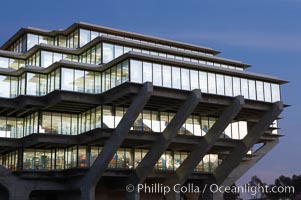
(194, 158)
(159, 147)
(233, 160)
(246, 165)
(95, 172)
(18, 192)
(87, 193)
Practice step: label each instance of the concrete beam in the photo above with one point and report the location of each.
(159, 147)
(194, 158)
(233, 160)
(246, 165)
(90, 180)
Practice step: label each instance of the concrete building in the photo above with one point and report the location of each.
(87, 110)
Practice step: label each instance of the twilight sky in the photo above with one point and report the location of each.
(264, 33)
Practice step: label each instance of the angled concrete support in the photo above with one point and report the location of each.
(195, 157)
(90, 180)
(233, 160)
(159, 147)
(246, 165)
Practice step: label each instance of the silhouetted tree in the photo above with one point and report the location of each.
(283, 183)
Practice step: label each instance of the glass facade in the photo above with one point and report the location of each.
(214, 83)
(84, 156)
(109, 117)
(138, 72)
(33, 39)
(112, 51)
(81, 37)
(11, 63)
(88, 35)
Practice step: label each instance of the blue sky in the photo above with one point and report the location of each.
(264, 33)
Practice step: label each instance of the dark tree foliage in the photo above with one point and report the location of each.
(282, 182)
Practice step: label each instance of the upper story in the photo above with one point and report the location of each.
(92, 59)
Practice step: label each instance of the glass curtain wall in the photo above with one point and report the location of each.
(109, 117)
(188, 79)
(112, 51)
(84, 156)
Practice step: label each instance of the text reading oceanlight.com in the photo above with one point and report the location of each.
(158, 188)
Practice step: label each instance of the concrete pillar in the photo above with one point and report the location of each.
(95, 172)
(87, 193)
(233, 160)
(18, 193)
(194, 158)
(159, 147)
(246, 165)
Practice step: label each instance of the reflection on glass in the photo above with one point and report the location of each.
(147, 72)
(267, 92)
(136, 71)
(236, 86)
(157, 71)
(259, 89)
(67, 79)
(220, 84)
(176, 77)
(211, 83)
(108, 52)
(185, 79)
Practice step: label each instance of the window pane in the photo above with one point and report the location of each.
(244, 88)
(32, 40)
(136, 71)
(211, 83)
(45, 126)
(194, 79)
(98, 54)
(228, 86)
(166, 70)
(203, 81)
(243, 129)
(125, 71)
(108, 52)
(147, 72)
(56, 123)
(14, 86)
(57, 57)
(157, 71)
(84, 37)
(176, 80)
(252, 89)
(275, 92)
(220, 84)
(66, 124)
(113, 76)
(267, 92)
(235, 133)
(259, 88)
(236, 86)
(32, 84)
(89, 82)
(118, 74)
(67, 79)
(5, 86)
(46, 58)
(185, 79)
(79, 81)
(118, 51)
(3, 62)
